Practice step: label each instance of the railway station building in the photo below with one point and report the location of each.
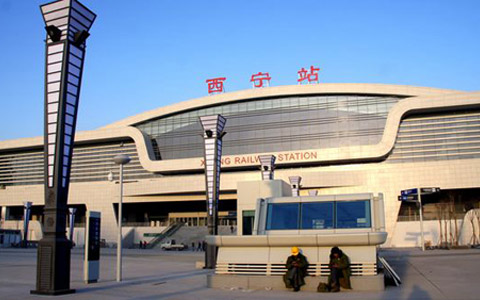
(339, 138)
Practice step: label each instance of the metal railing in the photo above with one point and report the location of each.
(136, 224)
(426, 217)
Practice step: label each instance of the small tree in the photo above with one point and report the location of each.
(439, 212)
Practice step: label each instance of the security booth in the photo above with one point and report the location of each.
(315, 224)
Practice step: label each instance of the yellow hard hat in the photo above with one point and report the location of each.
(295, 250)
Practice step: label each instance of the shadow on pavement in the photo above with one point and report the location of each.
(146, 280)
(419, 294)
(176, 294)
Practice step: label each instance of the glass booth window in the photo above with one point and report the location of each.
(353, 214)
(282, 216)
(317, 215)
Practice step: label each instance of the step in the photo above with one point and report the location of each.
(359, 283)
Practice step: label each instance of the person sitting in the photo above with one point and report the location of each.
(339, 270)
(297, 266)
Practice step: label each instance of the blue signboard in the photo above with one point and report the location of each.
(408, 198)
(409, 192)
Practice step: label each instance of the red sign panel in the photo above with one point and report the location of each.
(215, 85)
(259, 78)
(310, 77)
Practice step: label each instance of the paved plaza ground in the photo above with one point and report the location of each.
(154, 274)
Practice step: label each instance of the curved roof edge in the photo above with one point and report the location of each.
(287, 90)
(351, 154)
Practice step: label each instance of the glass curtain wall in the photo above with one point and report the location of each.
(274, 125)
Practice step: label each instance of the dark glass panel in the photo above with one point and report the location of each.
(317, 215)
(282, 216)
(353, 214)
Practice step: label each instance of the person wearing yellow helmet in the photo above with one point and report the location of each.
(297, 266)
(295, 251)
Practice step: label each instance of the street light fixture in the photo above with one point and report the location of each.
(213, 134)
(64, 61)
(71, 216)
(295, 184)
(27, 211)
(53, 32)
(267, 165)
(110, 176)
(121, 159)
(80, 37)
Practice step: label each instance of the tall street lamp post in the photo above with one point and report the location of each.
(121, 159)
(67, 23)
(71, 216)
(27, 211)
(213, 134)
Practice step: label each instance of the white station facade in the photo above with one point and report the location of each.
(339, 138)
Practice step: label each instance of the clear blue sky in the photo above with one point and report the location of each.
(146, 54)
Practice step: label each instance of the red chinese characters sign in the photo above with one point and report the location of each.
(311, 76)
(215, 85)
(259, 78)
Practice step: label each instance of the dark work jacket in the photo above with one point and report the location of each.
(343, 264)
(295, 275)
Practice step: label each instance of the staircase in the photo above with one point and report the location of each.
(169, 231)
(194, 234)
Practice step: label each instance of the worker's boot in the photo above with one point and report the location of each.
(335, 288)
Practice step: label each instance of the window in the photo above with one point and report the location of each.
(283, 216)
(353, 214)
(248, 221)
(317, 215)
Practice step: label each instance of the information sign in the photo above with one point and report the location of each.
(408, 192)
(92, 247)
(408, 198)
(426, 191)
